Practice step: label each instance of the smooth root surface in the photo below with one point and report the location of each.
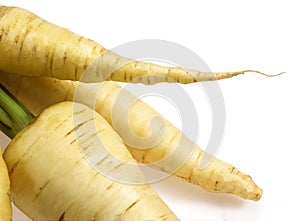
(110, 102)
(33, 46)
(5, 205)
(51, 179)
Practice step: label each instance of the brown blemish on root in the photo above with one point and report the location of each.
(41, 189)
(62, 216)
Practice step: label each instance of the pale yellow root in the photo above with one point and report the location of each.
(52, 180)
(184, 162)
(33, 46)
(5, 205)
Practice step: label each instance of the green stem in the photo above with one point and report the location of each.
(13, 115)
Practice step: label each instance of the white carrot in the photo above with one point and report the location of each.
(5, 205)
(33, 46)
(68, 164)
(217, 177)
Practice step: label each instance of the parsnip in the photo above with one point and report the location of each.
(33, 46)
(217, 177)
(5, 205)
(51, 179)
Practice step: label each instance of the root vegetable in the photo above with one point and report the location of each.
(51, 178)
(33, 46)
(5, 205)
(218, 176)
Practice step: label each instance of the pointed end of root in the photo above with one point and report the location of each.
(224, 75)
(267, 75)
(248, 189)
(255, 194)
(230, 180)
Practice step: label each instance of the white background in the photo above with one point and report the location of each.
(262, 114)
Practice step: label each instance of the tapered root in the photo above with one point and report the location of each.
(28, 47)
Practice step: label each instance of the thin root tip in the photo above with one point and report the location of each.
(267, 75)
